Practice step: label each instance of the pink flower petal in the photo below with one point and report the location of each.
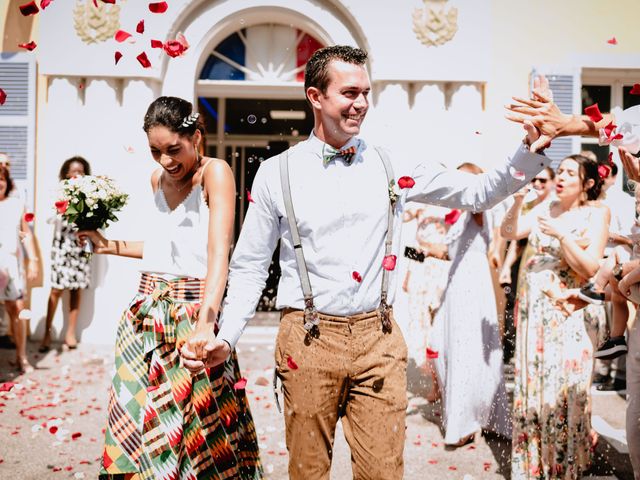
(158, 7)
(240, 384)
(593, 112)
(612, 41)
(406, 182)
(389, 262)
(29, 9)
(144, 61)
(140, 27)
(121, 36)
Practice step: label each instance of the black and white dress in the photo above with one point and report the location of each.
(70, 268)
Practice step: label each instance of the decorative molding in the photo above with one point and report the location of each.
(95, 22)
(433, 25)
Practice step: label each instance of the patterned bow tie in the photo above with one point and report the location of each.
(329, 153)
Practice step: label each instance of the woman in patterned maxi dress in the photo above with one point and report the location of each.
(163, 422)
(554, 344)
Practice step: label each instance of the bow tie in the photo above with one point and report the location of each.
(329, 153)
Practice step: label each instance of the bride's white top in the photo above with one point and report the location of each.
(175, 242)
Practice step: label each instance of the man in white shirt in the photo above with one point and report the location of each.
(352, 364)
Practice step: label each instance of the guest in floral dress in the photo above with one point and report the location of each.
(70, 268)
(552, 435)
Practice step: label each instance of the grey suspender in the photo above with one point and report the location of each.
(310, 313)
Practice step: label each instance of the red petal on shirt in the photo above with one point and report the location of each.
(249, 199)
(389, 262)
(291, 363)
(432, 353)
(118, 56)
(452, 217)
(635, 90)
(140, 27)
(593, 112)
(406, 182)
(240, 384)
(612, 41)
(144, 61)
(29, 9)
(61, 205)
(158, 7)
(45, 3)
(121, 36)
(31, 46)
(3, 96)
(356, 276)
(156, 44)
(28, 217)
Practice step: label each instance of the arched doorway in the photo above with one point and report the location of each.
(250, 92)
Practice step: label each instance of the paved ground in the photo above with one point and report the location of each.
(51, 422)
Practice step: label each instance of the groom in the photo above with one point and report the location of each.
(339, 353)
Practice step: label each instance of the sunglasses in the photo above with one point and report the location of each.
(541, 180)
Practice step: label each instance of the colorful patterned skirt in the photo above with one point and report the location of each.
(164, 422)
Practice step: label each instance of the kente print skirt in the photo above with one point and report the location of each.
(163, 422)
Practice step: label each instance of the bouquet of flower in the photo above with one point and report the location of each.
(89, 202)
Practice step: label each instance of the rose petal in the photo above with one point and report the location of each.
(182, 39)
(6, 386)
(612, 41)
(144, 61)
(635, 90)
(593, 112)
(609, 129)
(118, 56)
(452, 217)
(121, 36)
(3, 96)
(109, 1)
(45, 3)
(29, 9)
(356, 276)
(53, 429)
(389, 262)
(431, 461)
(31, 46)
(156, 44)
(406, 182)
(174, 48)
(158, 7)
(28, 217)
(291, 363)
(76, 435)
(240, 384)
(249, 199)
(140, 27)
(432, 353)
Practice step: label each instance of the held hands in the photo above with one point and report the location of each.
(203, 349)
(100, 244)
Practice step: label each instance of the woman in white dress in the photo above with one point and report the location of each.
(465, 339)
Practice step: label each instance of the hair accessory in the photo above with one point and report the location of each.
(190, 120)
(604, 171)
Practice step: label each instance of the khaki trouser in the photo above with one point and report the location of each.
(351, 370)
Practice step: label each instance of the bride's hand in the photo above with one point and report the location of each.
(100, 244)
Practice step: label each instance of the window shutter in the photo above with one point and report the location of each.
(565, 86)
(17, 118)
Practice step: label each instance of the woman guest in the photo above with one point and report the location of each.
(12, 284)
(552, 435)
(163, 422)
(70, 269)
(466, 336)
